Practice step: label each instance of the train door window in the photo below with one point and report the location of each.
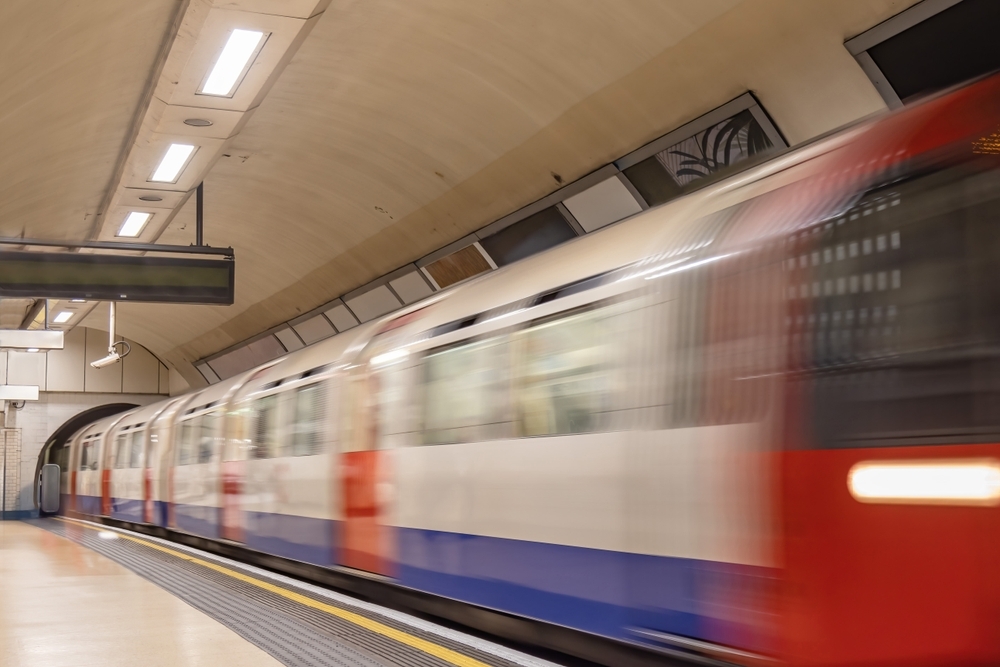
(186, 442)
(685, 337)
(62, 458)
(394, 406)
(152, 449)
(207, 436)
(122, 451)
(234, 439)
(88, 455)
(360, 421)
(465, 392)
(265, 433)
(307, 421)
(904, 323)
(135, 458)
(563, 374)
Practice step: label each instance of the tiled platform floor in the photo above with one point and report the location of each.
(62, 604)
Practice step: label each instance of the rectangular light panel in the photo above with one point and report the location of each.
(172, 163)
(31, 340)
(63, 317)
(955, 482)
(18, 392)
(233, 61)
(133, 224)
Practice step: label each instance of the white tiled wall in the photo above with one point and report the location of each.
(37, 420)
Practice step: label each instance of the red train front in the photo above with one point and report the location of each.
(890, 474)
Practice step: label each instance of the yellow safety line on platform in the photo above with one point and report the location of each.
(430, 648)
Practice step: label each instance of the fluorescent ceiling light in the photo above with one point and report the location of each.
(235, 57)
(32, 349)
(133, 224)
(63, 317)
(172, 163)
(968, 482)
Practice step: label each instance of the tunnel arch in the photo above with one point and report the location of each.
(60, 437)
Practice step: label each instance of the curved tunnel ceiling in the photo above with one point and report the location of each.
(398, 127)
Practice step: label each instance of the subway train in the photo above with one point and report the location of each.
(757, 424)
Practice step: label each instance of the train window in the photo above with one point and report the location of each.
(395, 412)
(903, 331)
(121, 451)
(464, 393)
(563, 374)
(135, 458)
(88, 455)
(307, 425)
(186, 442)
(62, 458)
(744, 302)
(265, 433)
(207, 435)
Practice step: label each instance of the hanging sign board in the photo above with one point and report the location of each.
(95, 277)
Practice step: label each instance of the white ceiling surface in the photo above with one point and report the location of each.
(398, 127)
(72, 77)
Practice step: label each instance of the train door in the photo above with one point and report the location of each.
(149, 461)
(368, 541)
(76, 447)
(233, 473)
(233, 468)
(363, 465)
(106, 466)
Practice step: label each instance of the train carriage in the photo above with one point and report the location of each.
(128, 468)
(757, 423)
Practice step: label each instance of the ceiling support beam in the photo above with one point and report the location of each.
(32, 313)
(115, 245)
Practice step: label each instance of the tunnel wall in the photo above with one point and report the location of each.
(68, 385)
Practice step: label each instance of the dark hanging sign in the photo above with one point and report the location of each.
(116, 277)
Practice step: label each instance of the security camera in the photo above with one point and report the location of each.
(112, 358)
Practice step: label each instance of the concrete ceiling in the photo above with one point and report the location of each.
(396, 127)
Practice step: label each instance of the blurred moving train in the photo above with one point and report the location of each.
(758, 423)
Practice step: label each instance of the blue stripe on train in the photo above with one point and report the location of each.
(300, 538)
(160, 512)
(88, 504)
(594, 590)
(127, 509)
(197, 519)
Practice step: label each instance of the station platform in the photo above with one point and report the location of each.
(78, 593)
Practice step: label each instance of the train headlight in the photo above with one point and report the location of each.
(940, 482)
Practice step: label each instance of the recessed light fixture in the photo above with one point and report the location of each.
(197, 122)
(133, 224)
(78, 301)
(172, 163)
(232, 63)
(151, 198)
(63, 317)
(32, 349)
